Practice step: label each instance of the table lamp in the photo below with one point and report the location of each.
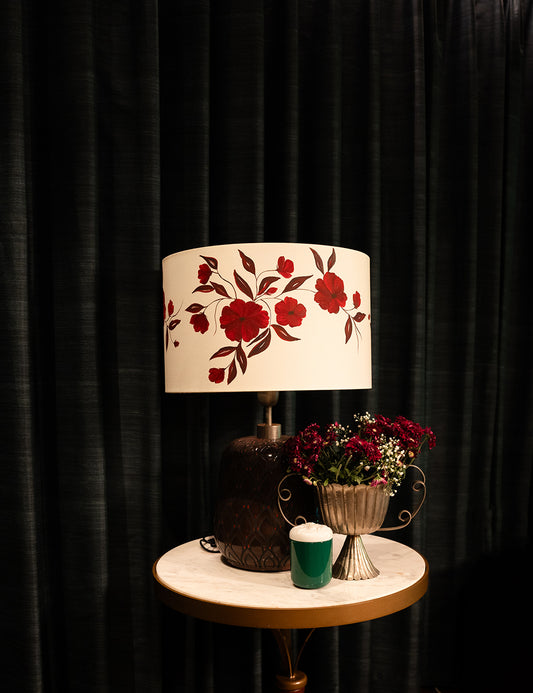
(263, 317)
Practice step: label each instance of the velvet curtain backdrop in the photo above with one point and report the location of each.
(134, 129)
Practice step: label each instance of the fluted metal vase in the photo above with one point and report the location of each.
(353, 511)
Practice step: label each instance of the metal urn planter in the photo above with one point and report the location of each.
(353, 511)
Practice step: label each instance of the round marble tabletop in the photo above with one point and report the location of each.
(196, 582)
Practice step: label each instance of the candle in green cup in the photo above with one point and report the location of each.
(311, 554)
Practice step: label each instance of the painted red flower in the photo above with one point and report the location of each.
(242, 320)
(290, 312)
(216, 375)
(330, 294)
(285, 267)
(200, 323)
(204, 273)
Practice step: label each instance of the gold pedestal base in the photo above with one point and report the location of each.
(291, 678)
(295, 683)
(353, 562)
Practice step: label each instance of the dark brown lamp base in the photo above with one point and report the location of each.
(249, 530)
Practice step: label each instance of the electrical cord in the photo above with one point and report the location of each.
(208, 544)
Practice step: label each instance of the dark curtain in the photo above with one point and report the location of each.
(138, 128)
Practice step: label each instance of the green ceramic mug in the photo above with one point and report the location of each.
(311, 554)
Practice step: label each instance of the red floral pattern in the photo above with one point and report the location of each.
(200, 323)
(171, 322)
(242, 304)
(290, 312)
(204, 273)
(285, 267)
(242, 320)
(216, 375)
(330, 294)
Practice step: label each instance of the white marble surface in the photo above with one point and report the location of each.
(193, 572)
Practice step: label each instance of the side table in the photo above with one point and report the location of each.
(200, 584)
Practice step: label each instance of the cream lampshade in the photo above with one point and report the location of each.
(264, 317)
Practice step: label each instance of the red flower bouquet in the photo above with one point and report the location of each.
(378, 453)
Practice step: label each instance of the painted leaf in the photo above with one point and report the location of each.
(265, 284)
(232, 372)
(223, 351)
(359, 317)
(173, 323)
(356, 299)
(203, 289)
(348, 330)
(283, 334)
(247, 262)
(243, 285)
(241, 358)
(220, 289)
(332, 259)
(261, 345)
(194, 308)
(259, 337)
(295, 283)
(318, 261)
(211, 261)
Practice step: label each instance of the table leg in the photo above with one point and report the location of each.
(290, 678)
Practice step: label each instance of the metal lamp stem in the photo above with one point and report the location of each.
(268, 430)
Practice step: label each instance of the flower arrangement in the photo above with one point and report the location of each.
(378, 453)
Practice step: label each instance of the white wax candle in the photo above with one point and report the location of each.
(311, 532)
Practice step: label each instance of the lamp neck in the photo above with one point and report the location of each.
(268, 430)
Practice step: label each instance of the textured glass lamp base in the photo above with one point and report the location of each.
(249, 529)
(353, 562)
